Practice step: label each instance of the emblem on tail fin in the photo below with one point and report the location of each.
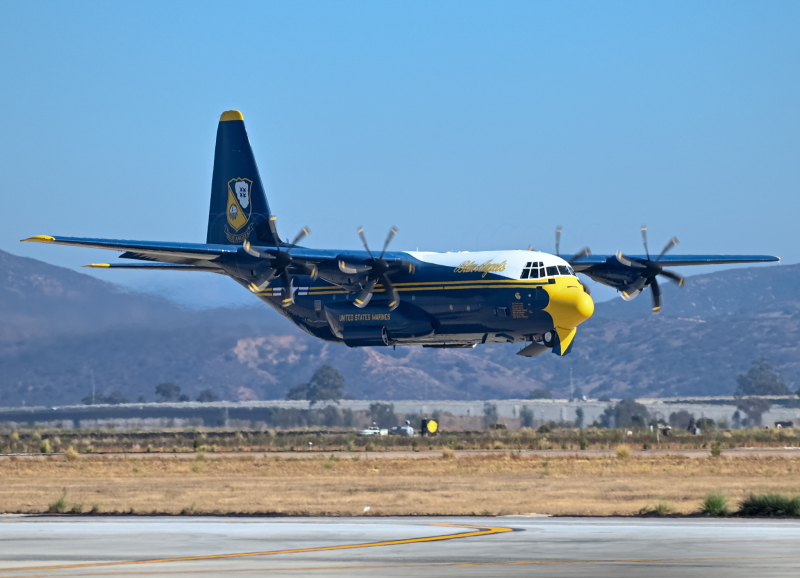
(239, 207)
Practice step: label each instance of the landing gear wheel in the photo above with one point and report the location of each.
(549, 339)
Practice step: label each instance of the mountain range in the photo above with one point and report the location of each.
(63, 333)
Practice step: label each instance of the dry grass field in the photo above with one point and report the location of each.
(493, 484)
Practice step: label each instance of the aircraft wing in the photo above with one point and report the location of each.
(163, 252)
(679, 260)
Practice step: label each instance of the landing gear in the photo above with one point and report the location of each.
(549, 339)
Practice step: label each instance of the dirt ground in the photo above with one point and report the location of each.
(499, 483)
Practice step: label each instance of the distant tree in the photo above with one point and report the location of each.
(298, 392)
(141, 399)
(541, 394)
(383, 414)
(706, 424)
(680, 419)
(526, 416)
(761, 379)
(754, 408)
(579, 417)
(331, 416)
(183, 397)
(167, 392)
(326, 384)
(627, 413)
(207, 396)
(489, 414)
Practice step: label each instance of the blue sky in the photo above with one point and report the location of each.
(468, 125)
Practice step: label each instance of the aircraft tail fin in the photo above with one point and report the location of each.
(239, 210)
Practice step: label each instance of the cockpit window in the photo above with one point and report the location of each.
(552, 271)
(563, 269)
(531, 270)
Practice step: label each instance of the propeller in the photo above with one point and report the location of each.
(558, 240)
(281, 261)
(377, 270)
(582, 254)
(649, 270)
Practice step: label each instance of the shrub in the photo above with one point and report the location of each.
(770, 505)
(149, 448)
(448, 453)
(71, 454)
(89, 449)
(95, 509)
(715, 505)
(58, 507)
(350, 446)
(623, 451)
(716, 449)
(660, 509)
(584, 443)
(370, 447)
(76, 508)
(44, 447)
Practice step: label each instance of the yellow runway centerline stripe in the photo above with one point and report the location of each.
(479, 531)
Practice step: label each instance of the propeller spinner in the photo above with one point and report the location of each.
(649, 271)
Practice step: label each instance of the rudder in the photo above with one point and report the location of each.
(239, 210)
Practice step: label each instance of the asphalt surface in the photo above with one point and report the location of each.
(464, 547)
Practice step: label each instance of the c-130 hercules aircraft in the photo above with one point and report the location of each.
(361, 299)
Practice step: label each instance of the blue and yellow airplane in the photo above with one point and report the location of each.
(361, 298)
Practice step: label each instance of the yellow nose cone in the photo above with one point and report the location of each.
(569, 304)
(585, 306)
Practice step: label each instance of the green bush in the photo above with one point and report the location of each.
(623, 451)
(770, 505)
(716, 450)
(715, 505)
(44, 447)
(58, 507)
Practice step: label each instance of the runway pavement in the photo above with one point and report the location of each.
(464, 547)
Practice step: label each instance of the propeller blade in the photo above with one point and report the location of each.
(352, 269)
(644, 240)
(558, 240)
(390, 236)
(263, 282)
(301, 235)
(530, 248)
(672, 276)
(273, 226)
(628, 262)
(288, 289)
(364, 241)
(583, 253)
(670, 244)
(656, 290)
(391, 292)
(250, 250)
(363, 298)
(314, 272)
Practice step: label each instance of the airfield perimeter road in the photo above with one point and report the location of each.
(402, 547)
